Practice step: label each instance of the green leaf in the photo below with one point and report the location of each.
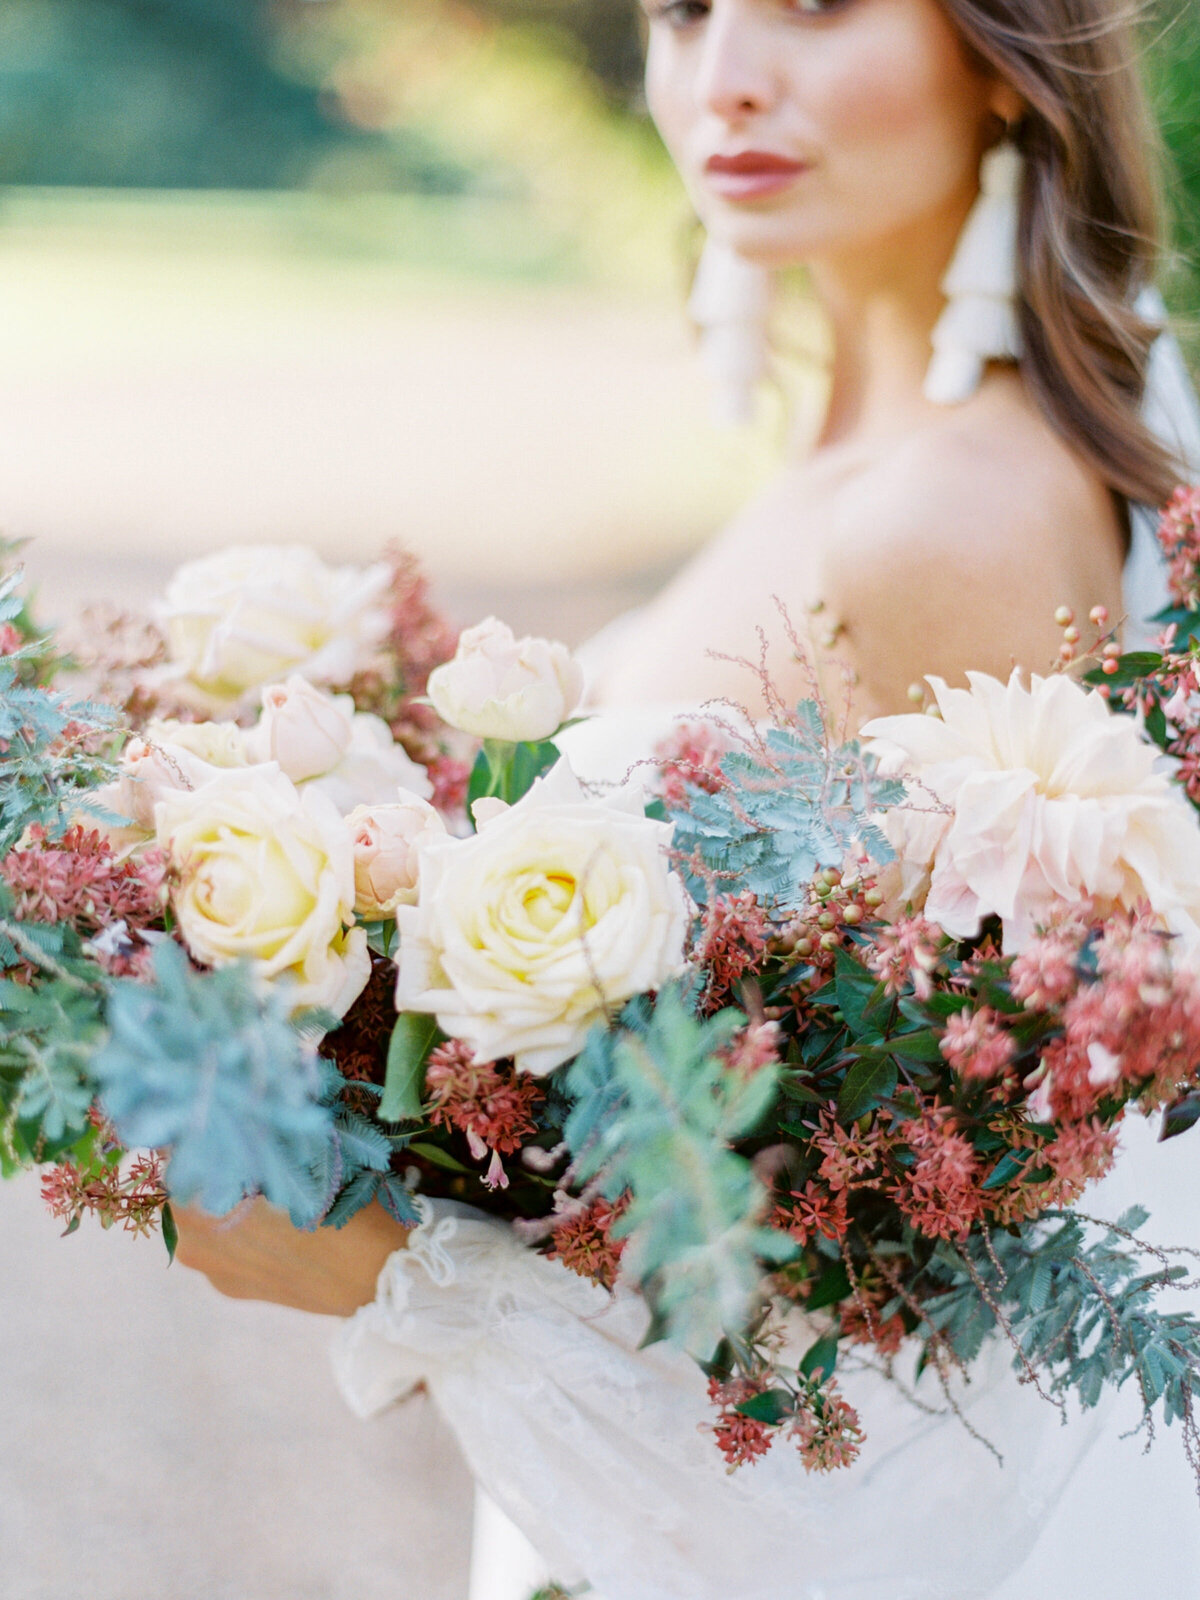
(381, 937)
(438, 1157)
(831, 1287)
(856, 990)
(869, 1082)
(923, 1045)
(507, 772)
(1180, 1115)
(1010, 1165)
(413, 1037)
(170, 1231)
(773, 1406)
(821, 1358)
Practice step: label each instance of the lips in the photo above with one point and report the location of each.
(752, 174)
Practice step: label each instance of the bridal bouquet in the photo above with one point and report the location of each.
(823, 1042)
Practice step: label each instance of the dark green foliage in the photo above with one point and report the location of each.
(413, 1037)
(212, 1067)
(800, 805)
(47, 1033)
(657, 1110)
(505, 771)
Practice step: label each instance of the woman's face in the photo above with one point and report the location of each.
(811, 128)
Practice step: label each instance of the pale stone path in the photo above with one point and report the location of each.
(161, 1443)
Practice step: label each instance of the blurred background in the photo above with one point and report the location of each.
(335, 271)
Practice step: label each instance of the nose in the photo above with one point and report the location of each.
(737, 66)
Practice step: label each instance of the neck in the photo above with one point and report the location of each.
(882, 303)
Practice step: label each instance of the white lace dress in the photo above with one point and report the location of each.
(598, 1451)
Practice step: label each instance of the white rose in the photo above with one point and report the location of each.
(499, 687)
(386, 841)
(254, 614)
(264, 873)
(1046, 798)
(221, 744)
(302, 728)
(372, 769)
(558, 910)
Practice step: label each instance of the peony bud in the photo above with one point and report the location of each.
(302, 728)
(500, 687)
(386, 855)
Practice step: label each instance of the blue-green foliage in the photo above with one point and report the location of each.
(211, 1066)
(656, 1108)
(356, 1166)
(1086, 1316)
(796, 809)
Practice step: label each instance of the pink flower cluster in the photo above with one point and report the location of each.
(816, 1211)
(977, 1045)
(584, 1241)
(824, 1428)
(78, 879)
(1179, 536)
(132, 1198)
(906, 952)
(488, 1102)
(691, 755)
(1134, 1032)
(732, 942)
(941, 1194)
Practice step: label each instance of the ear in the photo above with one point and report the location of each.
(1005, 103)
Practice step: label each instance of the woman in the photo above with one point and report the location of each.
(917, 537)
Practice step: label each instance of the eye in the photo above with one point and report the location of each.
(679, 14)
(816, 8)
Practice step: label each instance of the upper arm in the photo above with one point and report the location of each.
(962, 568)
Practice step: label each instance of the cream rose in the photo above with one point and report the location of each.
(302, 728)
(254, 614)
(267, 874)
(372, 769)
(1029, 799)
(387, 840)
(220, 744)
(500, 687)
(560, 908)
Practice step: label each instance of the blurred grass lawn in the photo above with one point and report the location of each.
(182, 370)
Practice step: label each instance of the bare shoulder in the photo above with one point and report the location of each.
(954, 551)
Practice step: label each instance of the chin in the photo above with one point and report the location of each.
(768, 242)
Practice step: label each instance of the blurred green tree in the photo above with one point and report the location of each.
(605, 32)
(171, 93)
(1174, 70)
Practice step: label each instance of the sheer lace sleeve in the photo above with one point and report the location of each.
(598, 1450)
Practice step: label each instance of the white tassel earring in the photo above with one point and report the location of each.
(980, 322)
(731, 305)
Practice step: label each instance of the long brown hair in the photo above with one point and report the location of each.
(1091, 224)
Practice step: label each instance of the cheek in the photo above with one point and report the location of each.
(668, 94)
(899, 112)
